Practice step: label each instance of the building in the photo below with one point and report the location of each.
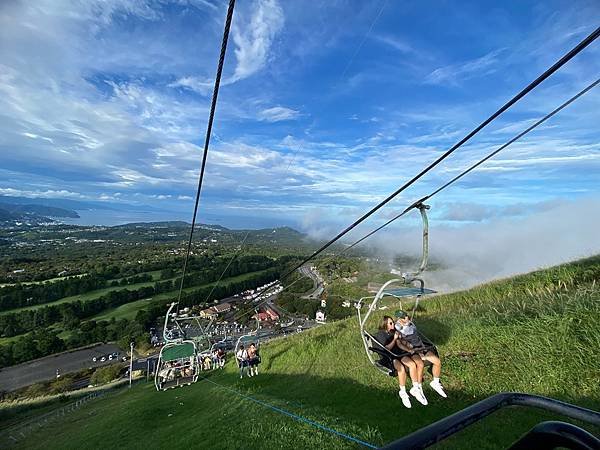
(271, 313)
(208, 313)
(267, 315)
(214, 311)
(261, 316)
(222, 308)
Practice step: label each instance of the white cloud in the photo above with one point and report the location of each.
(459, 72)
(50, 193)
(395, 42)
(203, 86)
(253, 40)
(277, 114)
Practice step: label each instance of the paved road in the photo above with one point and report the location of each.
(43, 369)
(316, 279)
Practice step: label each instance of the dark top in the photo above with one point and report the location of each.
(383, 337)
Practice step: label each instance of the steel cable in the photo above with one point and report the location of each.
(211, 118)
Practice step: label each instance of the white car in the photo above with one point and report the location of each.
(95, 358)
(103, 359)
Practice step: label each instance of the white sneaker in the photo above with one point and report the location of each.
(437, 387)
(405, 398)
(418, 394)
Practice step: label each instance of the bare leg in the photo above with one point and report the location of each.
(420, 367)
(412, 368)
(436, 363)
(401, 373)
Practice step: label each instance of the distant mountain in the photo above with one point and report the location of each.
(76, 205)
(52, 202)
(281, 235)
(40, 210)
(165, 224)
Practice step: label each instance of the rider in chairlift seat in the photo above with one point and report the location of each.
(390, 338)
(253, 359)
(410, 341)
(242, 359)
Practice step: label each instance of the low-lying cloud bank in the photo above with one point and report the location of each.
(503, 246)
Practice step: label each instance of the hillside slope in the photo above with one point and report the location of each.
(536, 333)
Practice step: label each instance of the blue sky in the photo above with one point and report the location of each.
(325, 107)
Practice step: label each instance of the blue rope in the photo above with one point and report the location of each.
(295, 416)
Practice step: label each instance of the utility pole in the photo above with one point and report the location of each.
(130, 363)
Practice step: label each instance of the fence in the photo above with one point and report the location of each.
(21, 431)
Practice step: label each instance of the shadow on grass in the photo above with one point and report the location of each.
(437, 331)
(376, 414)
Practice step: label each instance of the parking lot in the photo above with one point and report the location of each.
(44, 369)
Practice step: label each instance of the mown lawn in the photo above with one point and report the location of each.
(535, 333)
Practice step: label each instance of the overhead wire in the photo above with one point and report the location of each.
(511, 141)
(557, 65)
(238, 252)
(211, 118)
(462, 174)
(362, 42)
(480, 162)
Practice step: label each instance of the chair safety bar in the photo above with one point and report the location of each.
(458, 421)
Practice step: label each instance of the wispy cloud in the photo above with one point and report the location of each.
(455, 73)
(395, 42)
(201, 85)
(277, 114)
(253, 39)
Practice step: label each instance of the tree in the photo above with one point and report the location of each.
(105, 374)
(25, 349)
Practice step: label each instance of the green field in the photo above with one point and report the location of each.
(536, 333)
(50, 280)
(126, 311)
(83, 297)
(129, 310)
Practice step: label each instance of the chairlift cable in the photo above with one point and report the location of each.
(211, 118)
(292, 415)
(504, 146)
(561, 62)
(474, 166)
(237, 253)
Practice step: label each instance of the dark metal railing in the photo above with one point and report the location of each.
(458, 421)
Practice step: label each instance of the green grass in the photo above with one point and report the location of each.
(92, 294)
(129, 310)
(49, 280)
(126, 311)
(536, 333)
(81, 297)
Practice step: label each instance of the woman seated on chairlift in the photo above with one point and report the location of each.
(411, 341)
(388, 337)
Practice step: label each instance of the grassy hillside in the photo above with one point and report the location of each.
(536, 333)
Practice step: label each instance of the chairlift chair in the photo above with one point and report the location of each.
(371, 345)
(177, 361)
(252, 336)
